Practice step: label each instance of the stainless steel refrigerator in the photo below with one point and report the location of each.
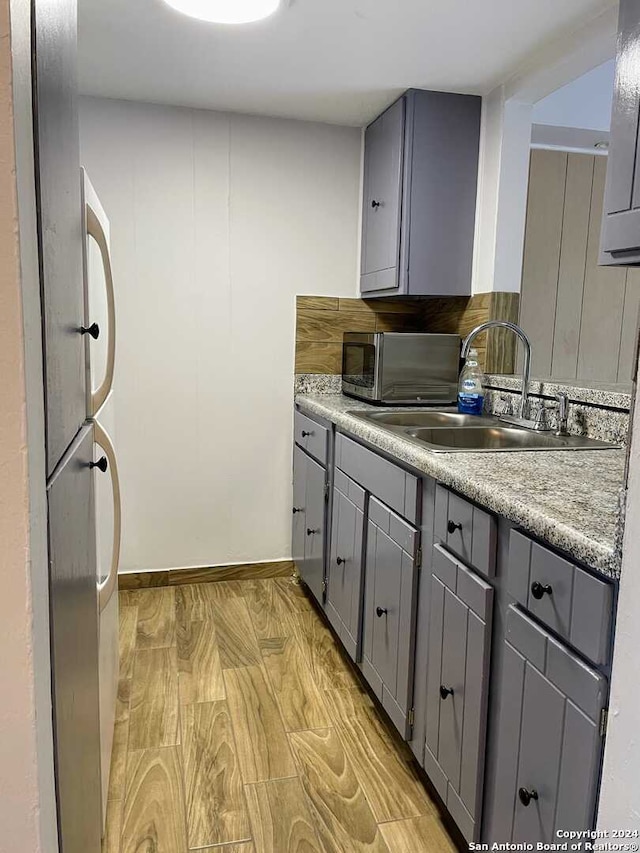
(78, 454)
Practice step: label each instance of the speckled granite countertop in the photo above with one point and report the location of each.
(568, 498)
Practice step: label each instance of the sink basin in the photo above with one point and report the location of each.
(492, 438)
(447, 431)
(425, 419)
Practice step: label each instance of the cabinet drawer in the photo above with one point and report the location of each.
(311, 436)
(572, 602)
(467, 531)
(394, 486)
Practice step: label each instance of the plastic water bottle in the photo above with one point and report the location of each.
(471, 386)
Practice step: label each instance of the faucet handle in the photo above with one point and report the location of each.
(507, 408)
(562, 399)
(541, 417)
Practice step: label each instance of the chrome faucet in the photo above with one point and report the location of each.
(526, 367)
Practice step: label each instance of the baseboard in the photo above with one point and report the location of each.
(207, 574)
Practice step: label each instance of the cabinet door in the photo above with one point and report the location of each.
(314, 531)
(344, 572)
(74, 648)
(389, 611)
(457, 689)
(383, 152)
(59, 221)
(550, 745)
(298, 534)
(621, 218)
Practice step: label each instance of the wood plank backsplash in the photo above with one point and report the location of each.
(322, 320)
(581, 317)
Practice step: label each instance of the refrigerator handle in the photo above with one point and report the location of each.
(110, 584)
(95, 229)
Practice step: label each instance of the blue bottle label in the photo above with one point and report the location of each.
(470, 404)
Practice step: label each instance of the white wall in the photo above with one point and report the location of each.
(502, 193)
(27, 802)
(505, 141)
(585, 102)
(218, 221)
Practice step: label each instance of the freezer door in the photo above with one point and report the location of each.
(59, 220)
(99, 299)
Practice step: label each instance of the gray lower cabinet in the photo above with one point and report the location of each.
(620, 242)
(457, 688)
(550, 743)
(344, 573)
(418, 232)
(309, 520)
(298, 537)
(499, 705)
(391, 576)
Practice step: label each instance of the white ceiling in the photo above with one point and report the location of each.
(337, 61)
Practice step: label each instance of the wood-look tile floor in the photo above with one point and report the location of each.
(242, 729)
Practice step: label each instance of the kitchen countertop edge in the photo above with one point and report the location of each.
(593, 542)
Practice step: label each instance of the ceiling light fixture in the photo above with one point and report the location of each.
(226, 11)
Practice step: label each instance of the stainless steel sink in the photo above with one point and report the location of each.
(500, 438)
(451, 432)
(426, 419)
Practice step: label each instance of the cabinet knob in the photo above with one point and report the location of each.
(381, 611)
(452, 527)
(102, 464)
(297, 509)
(538, 590)
(445, 691)
(526, 796)
(306, 434)
(93, 330)
(375, 204)
(311, 532)
(340, 561)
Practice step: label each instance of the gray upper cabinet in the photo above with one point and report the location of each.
(59, 221)
(382, 199)
(420, 184)
(620, 242)
(457, 688)
(389, 611)
(550, 743)
(344, 571)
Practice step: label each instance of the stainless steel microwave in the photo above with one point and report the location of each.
(401, 368)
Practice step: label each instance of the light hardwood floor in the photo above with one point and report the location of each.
(242, 729)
